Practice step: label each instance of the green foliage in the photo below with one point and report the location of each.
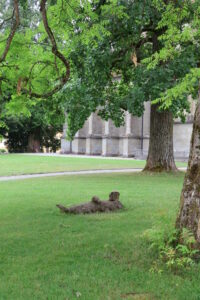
(187, 86)
(121, 54)
(176, 250)
(43, 121)
(2, 151)
(30, 67)
(181, 21)
(119, 69)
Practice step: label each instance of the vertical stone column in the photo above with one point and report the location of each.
(76, 144)
(131, 141)
(90, 124)
(126, 141)
(128, 123)
(65, 144)
(110, 142)
(146, 128)
(105, 138)
(94, 136)
(122, 134)
(107, 128)
(79, 142)
(89, 135)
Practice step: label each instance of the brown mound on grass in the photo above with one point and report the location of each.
(95, 205)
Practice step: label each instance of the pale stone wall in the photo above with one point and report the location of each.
(99, 137)
(110, 139)
(182, 137)
(2, 145)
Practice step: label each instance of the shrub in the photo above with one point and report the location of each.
(2, 151)
(174, 250)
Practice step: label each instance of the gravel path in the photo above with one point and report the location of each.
(86, 172)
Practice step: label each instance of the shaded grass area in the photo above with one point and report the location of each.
(48, 255)
(13, 164)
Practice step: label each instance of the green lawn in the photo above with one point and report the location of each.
(48, 255)
(13, 164)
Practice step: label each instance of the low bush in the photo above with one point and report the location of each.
(173, 249)
(2, 151)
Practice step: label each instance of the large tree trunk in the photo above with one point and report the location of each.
(160, 156)
(189, 215)
(34, 144)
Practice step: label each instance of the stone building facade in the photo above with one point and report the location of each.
(99, 137)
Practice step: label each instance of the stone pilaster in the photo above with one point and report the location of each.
(128, 124)
(79, 142)
(94, 136)
(146, 130)
(130, 140)
(110, 141)
(65, 144)
(90, 124)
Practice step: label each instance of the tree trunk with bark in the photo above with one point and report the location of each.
(34, 144)
(189, 214)
(160, 156)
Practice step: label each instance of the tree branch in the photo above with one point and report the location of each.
(8, 19)
(56, 52)
(12, 32)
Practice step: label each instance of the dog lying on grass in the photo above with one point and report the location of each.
(95, 205)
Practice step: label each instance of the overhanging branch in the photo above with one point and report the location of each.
(12, 32)
(56, 52)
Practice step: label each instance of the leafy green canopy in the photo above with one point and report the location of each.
(112, 45)
(181, 38)
(32, 68)
(114, 50)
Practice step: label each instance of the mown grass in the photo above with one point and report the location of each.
(13, 164)
(48, 255)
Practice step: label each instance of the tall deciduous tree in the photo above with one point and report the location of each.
(183, 31)
(99, 41)
(121, 35)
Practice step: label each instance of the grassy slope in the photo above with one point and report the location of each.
(47, 255)
(22, 164)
